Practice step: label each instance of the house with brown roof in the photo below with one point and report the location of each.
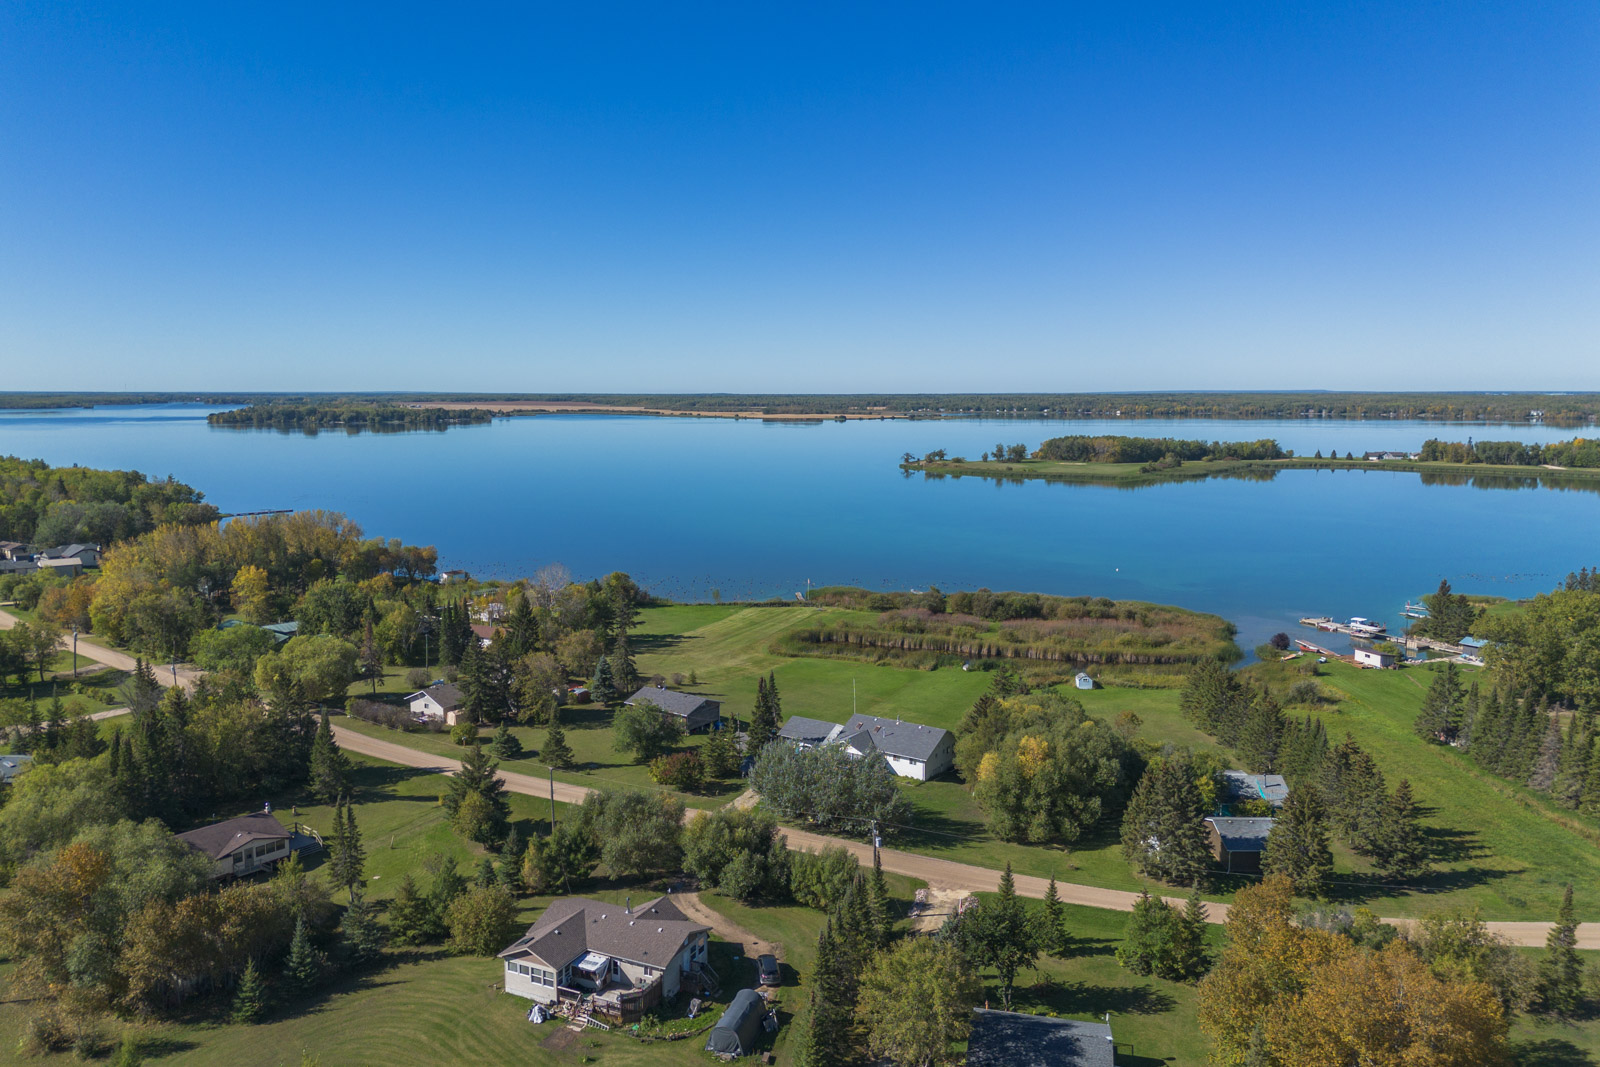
(624, 960)
(242, 846)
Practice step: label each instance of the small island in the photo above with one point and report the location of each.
(352, 418)
(1131, 462)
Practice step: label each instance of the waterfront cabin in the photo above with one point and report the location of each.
(1371, 657)
(804, 733)
(698, 713)
(1083, 681)
(1237, 843)
(439, 701)
(911, 749)
(243, 846)
(1013, 1039)
(622, 960)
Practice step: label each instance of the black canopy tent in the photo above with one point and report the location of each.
(739, 1028)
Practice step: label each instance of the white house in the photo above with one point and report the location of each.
(441, 701)
(241, 846)
(1371, 657)
(614, 952)
(911, 749)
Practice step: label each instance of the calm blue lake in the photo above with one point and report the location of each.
(755, 509)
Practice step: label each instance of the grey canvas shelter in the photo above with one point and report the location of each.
(697, 712)
(1010, 1039)
(737, 1032)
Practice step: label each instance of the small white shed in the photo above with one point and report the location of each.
(1083, 681)
(1371, 657)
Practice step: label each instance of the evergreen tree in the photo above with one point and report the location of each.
(1055, 930)
(455, 632)
(330, 769)
(505, 745)
(774, 702)
(477, 776)
(1573, 763)
(1261, 735)
(1305, 748)
(1187, 956)
(522, 627)
(623, 669)
(828, 1037)
(1401, 853)
(1471, 710)
(1005, 935)
(1214, 700)
(603, 689)
(250, 997)
(509, 871)
(410, 914)
(303, 967)
(1147, 942)
(1547, 759)
(1561, 971)
(1298, 844)
(761, 727)
(556, 752)
(720, 755)
(880, 927)
(363, 937)
(370, 657)
(1162, 831)
(1440, 716)
(350, 863)
(485, 875)
(1489, 733)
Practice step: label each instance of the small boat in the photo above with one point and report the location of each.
(1415, 611)
(1366, 627)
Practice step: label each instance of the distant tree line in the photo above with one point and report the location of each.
(353, 418)
(1114, 449)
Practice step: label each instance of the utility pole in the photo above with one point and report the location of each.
(552, 800)
(74, 650)
(876, 842)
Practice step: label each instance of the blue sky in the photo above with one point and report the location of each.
(806, 198)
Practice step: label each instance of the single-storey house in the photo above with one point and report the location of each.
(697, 712)
(1371, 657)
(441, 700)
(13, 765)
(89, 554)
(1083, 681)
(1012, 1039)
(453, 577)
(1237, 843)
(911, 749)
(628, 959)
(241, 846)
(15, 550)
(18, 566)
(804, 733)
(737, 1032)
(485, 633)
(1269, 787)
(70, 568)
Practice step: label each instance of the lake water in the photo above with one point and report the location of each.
(755, 509)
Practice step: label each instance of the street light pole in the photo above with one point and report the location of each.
(74, 650)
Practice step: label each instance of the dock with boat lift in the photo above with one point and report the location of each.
(1332, 626)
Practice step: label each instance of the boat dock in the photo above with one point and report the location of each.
(1328, 625)
(1307, 646)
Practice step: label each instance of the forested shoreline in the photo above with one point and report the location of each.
(352, 418)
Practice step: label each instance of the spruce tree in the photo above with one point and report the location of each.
(556, 752)
(1561, 971)
(1162, 831)
(1440, 716)
(505, 745)
(1055, 930)
(1547, 759)
(1006, 936)
(1187, 957)
(1401, 851)
(478, 775)
(881, 927)
(623, 669)
(774, 702)
(250, 997)
(509, 871)
(485, 875)
(1298, 844)
(363, 937)
(828, 1039)
(303, 967)
(1261, 735)
(1147, 940)
(353, 858)
(1471, 711)
(761, 729)
(410, 914)
(720, 756)
(329, 777)
(603, 689)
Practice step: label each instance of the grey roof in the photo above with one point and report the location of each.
(1242, 835)
(671, 701)
(446, 694)
(909, 740)
(1269, 787)
(651, 934)
(16, 566)
(807, 731)
(68, 551)
(222, 838)
(11, 766)
(1010, 1039)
